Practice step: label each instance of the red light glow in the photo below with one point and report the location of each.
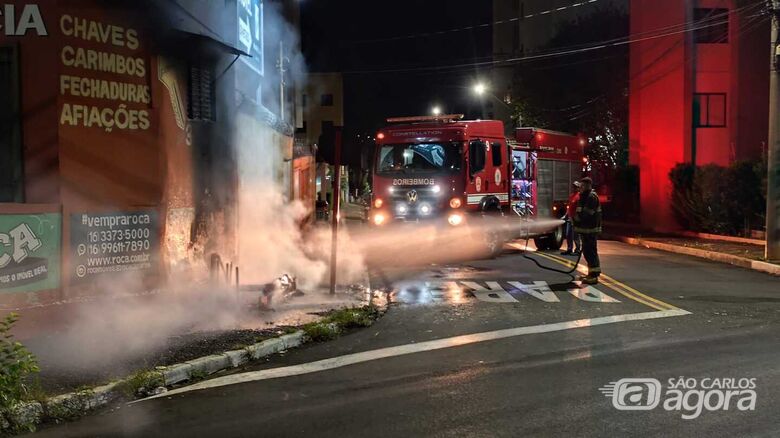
(380, 136)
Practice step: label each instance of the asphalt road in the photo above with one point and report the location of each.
(503, 348)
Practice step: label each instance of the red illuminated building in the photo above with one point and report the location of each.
(698, 93)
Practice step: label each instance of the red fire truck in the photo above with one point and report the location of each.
(449, 169)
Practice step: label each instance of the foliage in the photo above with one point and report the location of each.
(16, 365)
(584, 92)
(142, 381)
(338, 320)
(321, 331)
(197, 375)
(722, 200)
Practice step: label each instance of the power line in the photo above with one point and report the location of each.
(751, 23)
(616, 42)
(476, 26)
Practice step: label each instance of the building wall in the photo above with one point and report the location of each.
(667, 72)
(314, 113)
(659, 105)
(139, 155)
(527, 36)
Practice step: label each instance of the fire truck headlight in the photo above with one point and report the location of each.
(378, 203)
(455, 203)
(455, 219)
(402, 209)
(436, 189)
(379, 219)
(425, 209)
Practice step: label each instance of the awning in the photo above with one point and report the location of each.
(209, 41)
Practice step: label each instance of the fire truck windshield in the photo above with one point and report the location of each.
(419, 157)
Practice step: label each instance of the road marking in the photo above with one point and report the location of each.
(591, 294)
(615, 285)
(495, 293)
(539, 290)
(438, 344)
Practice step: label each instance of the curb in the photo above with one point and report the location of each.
(76, 404)
(720, 257)
(207, 365)
(73, 405)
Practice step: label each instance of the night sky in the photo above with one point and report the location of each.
(346, 36)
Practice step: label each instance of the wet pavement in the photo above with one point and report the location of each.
(501, 347)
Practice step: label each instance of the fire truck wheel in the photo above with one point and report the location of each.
(556, 239)
(552, 241)
(541, 242)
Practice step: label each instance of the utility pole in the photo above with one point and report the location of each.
(773, 146)
(336, 210)
(282, 83)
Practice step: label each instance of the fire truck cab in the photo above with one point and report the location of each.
(448, 169)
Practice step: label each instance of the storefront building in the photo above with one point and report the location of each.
(128, 131)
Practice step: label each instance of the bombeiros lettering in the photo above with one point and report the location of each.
(18, 20)
(414, 181)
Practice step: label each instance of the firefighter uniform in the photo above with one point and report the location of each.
(587, 222)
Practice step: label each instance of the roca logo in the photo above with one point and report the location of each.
(16, 20)
(21, 240)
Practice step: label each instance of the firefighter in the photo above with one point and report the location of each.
(587, 222)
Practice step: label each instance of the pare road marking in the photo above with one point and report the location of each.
(494, 292)
(400, 350)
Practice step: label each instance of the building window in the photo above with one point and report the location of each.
(711, 25)
(11, 174)
(201, 101)
(326, 100)
(709, 110)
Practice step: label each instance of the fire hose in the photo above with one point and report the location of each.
(525, 255)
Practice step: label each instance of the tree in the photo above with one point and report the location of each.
(584, 91)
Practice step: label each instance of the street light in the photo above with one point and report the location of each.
(436, 110)
(480, 88)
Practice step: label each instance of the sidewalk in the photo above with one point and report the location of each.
(95, 342)
(746, 253)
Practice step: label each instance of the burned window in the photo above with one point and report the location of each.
(201, 102)
(709, 110)
(711, 25)
(11, 176)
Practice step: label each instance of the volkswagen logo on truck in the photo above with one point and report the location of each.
(411, 195)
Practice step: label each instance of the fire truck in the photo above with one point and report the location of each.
(444, 168)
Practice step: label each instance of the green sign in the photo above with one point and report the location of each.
(30, 252)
